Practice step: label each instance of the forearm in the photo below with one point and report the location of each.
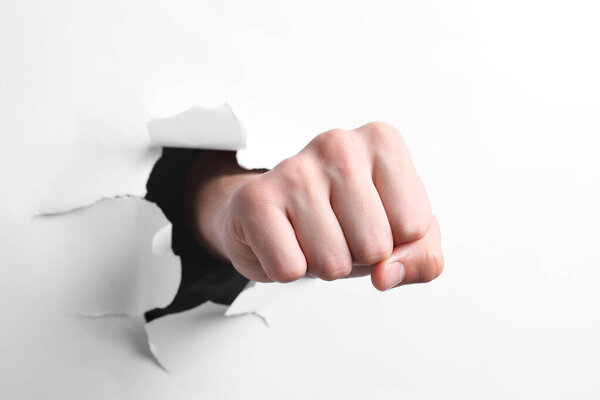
(213, 178)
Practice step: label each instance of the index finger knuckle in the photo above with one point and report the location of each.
(337, 152)
(334, 267)
(383, 135)
(286, 273)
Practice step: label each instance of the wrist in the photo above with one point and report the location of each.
(213, 178)
(213, 209)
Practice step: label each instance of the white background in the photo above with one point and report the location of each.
(498, 101)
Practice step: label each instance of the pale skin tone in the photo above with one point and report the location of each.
(350, 203)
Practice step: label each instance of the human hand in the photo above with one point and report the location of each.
(349, 203)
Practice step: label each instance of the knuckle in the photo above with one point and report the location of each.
(384, 135)
(332, 138)
(381, 128)
(332, 268)
(328, 142)
(287, 273)
(407, 232)
(253, 198)
(251, 192)
(373, 251)
(337, 151)
(296, 173)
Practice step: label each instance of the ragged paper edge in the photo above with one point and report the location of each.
(161, 242)
(148, 346)
(257, 298)
(256, 314)
(200, 128)
(53, 212)
(240, 307)
(203, 128)
(215, 128)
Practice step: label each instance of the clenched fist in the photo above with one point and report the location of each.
(349, 203)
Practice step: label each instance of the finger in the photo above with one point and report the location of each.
(359, 270)
(396, 179)
(361, 215)
(245, 261)
(420, 261)
(319, 234)
(271, 237)
(352, 194)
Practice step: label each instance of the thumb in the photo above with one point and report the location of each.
(414, 262)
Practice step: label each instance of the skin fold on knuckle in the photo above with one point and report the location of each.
(372, 252)
(254, 200)
(384, 137)
(337, 153)
(247, 270)
(286, 273)
(332, 268)
(406, 232)
(296, 176)
(247, 196)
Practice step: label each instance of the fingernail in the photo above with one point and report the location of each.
(394, 274)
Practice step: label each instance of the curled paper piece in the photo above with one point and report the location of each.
(161, 242)
(210, 128)
(124, 239)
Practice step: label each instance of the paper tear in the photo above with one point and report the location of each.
(209, 128)
(254, 313)
(178, 339)
(89, 170)
(105, 291)
(183, 339)
(123, 170)
(117, 271)
(50, 212)
(257, 298)
(102, 315)
(149, 350)
(161, 242)
(170, 333)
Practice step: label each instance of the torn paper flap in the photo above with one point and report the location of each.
(270, 315)
(203, 128)
(161, 242)
(117, 258)
(258, 298)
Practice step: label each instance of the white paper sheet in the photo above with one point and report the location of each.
(503, 127)
(146, 274)
(208, 128)
(117, 270)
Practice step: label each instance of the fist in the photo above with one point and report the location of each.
(349, 203)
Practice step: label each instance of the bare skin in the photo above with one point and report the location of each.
(350, 203)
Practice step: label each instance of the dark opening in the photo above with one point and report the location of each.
(203, 277)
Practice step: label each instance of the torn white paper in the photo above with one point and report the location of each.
(161, 242)
(301, 315)
(116, 270)
(137, 323)
(503, 126)
(139, 272)
(200, 128)
(259, 298)
(97, 168)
